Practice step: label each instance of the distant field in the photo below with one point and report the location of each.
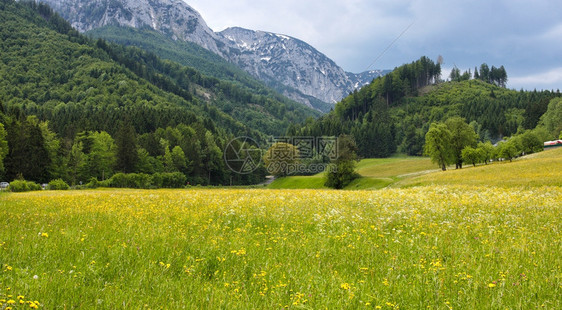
(540, 169)
(376, 173)
(296, 182)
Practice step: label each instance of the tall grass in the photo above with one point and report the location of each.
(536, 170)
(436, 247)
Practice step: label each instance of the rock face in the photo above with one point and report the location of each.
(273, 58)
(172, 17)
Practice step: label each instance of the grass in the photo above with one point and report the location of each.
(540, 169)
(299, 182)
(437, 246)
(376, 173)
(394, 167)
(477, 238)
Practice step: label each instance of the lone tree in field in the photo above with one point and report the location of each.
(342, 170)
(462, 135)
(281, 159)
(438, 145)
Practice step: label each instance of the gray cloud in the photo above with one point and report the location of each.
(524, 36)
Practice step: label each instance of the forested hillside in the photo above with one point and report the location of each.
(72, 69)
(62, 93)
(394, 112)
(192, 55)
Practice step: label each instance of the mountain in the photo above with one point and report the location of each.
(365, 78)
(292, 67)
(50, 70)
(274, 57)
(60, 91)
(192, 55)
(172, 17)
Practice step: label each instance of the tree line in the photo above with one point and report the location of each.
(384, 123)
(496, 76)
(30, 150)
(455, 142)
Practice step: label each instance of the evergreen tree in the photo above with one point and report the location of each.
(485, 73)
(214, 161)
(455, 75)
(3, 147)
(27, 155)
(127, 153)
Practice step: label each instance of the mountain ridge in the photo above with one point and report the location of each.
(302, 67)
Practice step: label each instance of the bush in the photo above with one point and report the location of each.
(23, 186)
(58, 185)
(169, 180)
(130, 180)
(142, 180)
(93, 183)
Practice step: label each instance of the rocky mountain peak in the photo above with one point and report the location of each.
(294, 63)
(172, 17)
(292, 66)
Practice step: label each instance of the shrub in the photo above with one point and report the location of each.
(23, 186)
(169, 180)
(130, 180)
(58, 185)
(93, 183)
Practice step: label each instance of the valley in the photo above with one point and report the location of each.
(147, 161)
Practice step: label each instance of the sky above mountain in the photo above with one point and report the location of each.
(524, 36)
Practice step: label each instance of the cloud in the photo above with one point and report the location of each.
(522, 35)
(551, 79)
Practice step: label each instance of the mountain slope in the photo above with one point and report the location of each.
(192, 55)
(50, 70)
(291, 66)
(172, 17)
(274, 57)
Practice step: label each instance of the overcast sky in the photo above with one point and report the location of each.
(523, 35)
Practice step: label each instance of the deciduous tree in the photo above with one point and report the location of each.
(438, 145)
(342, 170)
(462, 135)
(281, 159)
